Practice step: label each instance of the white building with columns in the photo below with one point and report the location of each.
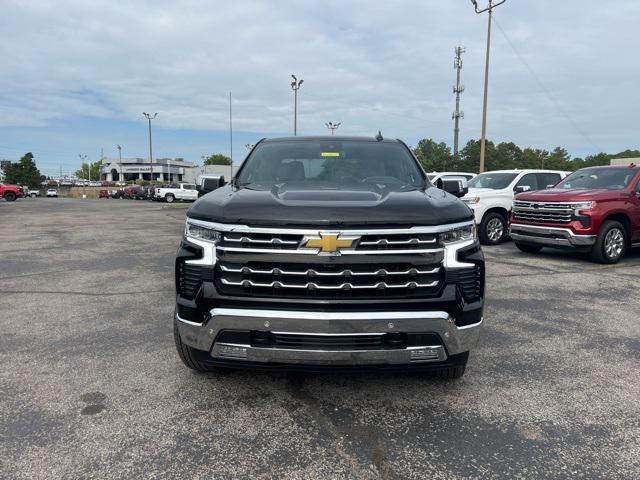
(161, 170)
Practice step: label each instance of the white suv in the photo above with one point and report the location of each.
(491, 196)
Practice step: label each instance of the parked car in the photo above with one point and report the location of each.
(491, 197)
(595, 210)
(179, 191)
(129, 192)
(141, 193)
(329, 252)
(10, 192)
(436, 177)
(103, 194)
(33, 193)
(52, 192)
(117, 193)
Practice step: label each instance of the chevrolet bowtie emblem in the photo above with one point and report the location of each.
(329, 243)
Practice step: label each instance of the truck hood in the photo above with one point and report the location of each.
(568, 195)
(291, 205)
(480, 192)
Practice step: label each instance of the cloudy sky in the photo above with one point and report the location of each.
(77, 75)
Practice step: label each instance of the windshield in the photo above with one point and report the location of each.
(330, 164)
(494, 181)
(607, 178)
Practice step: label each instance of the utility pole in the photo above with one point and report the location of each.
(483, 138)
(150, 117)
(295, 86)
(332, 126)
(457, 90)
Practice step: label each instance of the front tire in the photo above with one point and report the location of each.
(523, 247)
(493, 228)
(33, 195)
(611, 244)
(188, 355)
(169, 198)
(10, 196)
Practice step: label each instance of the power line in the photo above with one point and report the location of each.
(544, 89)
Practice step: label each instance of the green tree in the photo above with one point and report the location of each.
(470, 157)
(217, 159)
(23, 172)
(558, 160)
(533, 158)
(508, 156)
(432, 155)
(89, 171)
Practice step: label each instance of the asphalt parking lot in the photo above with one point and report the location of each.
(91, 385)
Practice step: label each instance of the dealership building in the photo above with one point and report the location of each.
(162, 169)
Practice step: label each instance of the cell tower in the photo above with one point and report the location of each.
(457, 90)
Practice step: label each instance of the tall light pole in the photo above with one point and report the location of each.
(83, 159)
(332, 126)
(150, 117)
(295, 86)
(483, 138)
(120, 160)
(230, 138)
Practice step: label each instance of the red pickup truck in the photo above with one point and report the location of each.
(596, 210)
(10, 192)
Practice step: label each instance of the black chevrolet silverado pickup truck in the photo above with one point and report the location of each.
(330, 253)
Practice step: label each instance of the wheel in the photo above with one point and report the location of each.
(10, 196)
(493, 228)
(611, 243)
(169, 198)
(189, 355)
(526, 248)
(33, 195)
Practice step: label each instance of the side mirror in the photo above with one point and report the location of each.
(456, 186)
(206, 185)
(522, 188)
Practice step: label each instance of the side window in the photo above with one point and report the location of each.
(546, 179)
(529, 180)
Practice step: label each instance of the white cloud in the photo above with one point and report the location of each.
(369, 65)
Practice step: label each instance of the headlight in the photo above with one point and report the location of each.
(472, 200)
(583, 206)
(202, 233)
(468, 232)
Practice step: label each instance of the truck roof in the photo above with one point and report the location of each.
(329, 138)
(527, 170)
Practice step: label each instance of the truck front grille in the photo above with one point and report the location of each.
(328, 280)
(388, 242)
(542, 212)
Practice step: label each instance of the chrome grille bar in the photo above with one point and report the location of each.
(341, 273)
(384, 241)
(312, 285)
(273, 241)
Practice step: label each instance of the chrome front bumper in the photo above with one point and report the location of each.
(552, 236)
(202, 336)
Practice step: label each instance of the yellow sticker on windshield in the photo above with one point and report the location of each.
(330, 154)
